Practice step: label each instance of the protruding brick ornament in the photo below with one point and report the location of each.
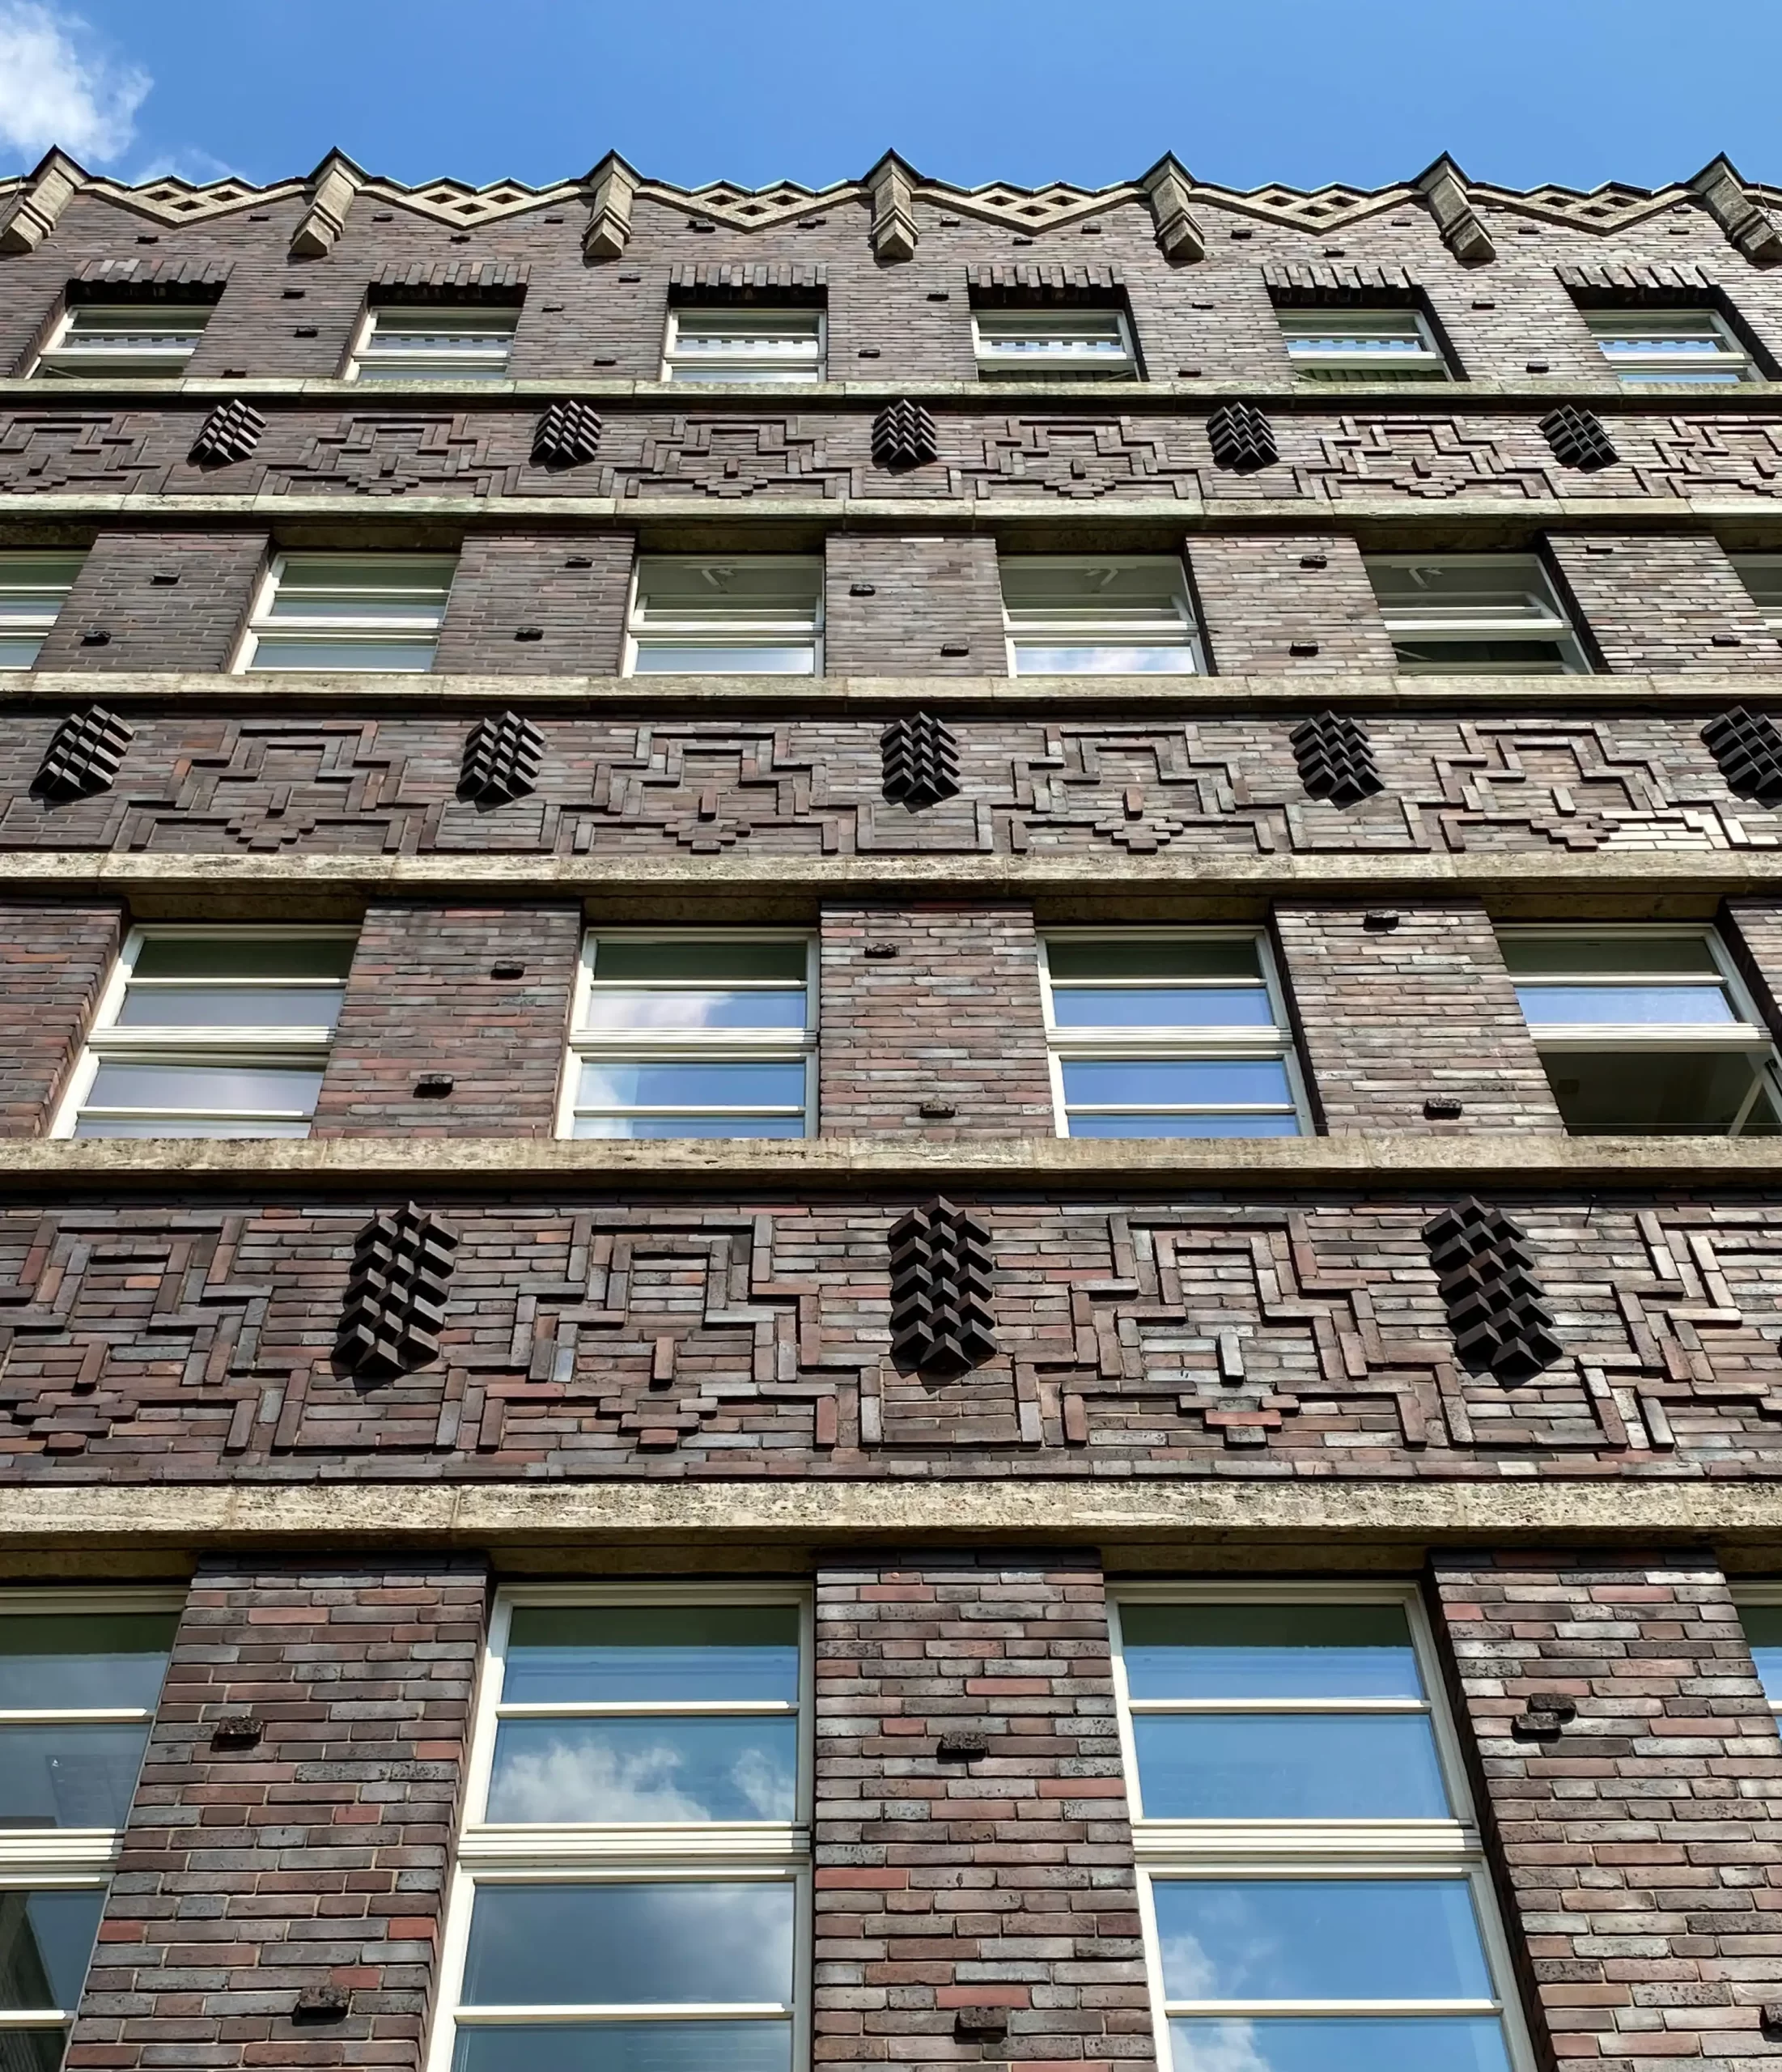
(501, 759)
(322, 2003)
(230, 433)
(84, 756)
(1748, 747)
(396, 1297)
(903, 436)
(921, 761)
(568, 434)
(943, 1322)
(1336, 758)
(1241, 437)
(1496, 1309)
(1578, 439)
(980, 2025)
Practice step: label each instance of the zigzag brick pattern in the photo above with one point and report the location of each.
(84, 756)
(943, 1322)
(1336, 758)
(1748, 747)
(501, 759)
(903, 436)
(1496, 1309)
(568, 435)
(921, 756)
(396, 1295)
(1241, 437)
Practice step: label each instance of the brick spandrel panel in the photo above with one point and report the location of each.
(930, 607)
(314, 1857)
(525, 605)
(1663, 602)
(424, 1002)
(1001, 1881)
(932, 1007)
(1396, 1007)
(1642, 1841)
(1298, 601)
(53, 962)
(192, 622)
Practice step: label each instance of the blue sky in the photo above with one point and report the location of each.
(1299, 91)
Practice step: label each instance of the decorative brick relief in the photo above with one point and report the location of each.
(1496, 1309)
(386, 453)
(568, 435)
(84, 756)
(1748, 747)
(731, 456)
(706, 789)
(903, 436)
(396, 1298)
(921, 757)
(1578, 439)
(1336, 758)
(74, 449)
(501, 759)
(231, 433)
(1079, 458)
(1241, 437)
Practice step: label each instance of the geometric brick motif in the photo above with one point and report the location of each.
(84, 756)
(943, 1320)
(1496, 1309)
(230, 433)
(1578, 439)
(568, 434)
(921, 757)
(1241, 438)
(501, 759)
(1336, 758)
(903, 436)
(396, 1295)
(1748, 747)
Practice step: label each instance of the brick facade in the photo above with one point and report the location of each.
(923, 606)
(546, 604)
(1298, 602)
(164, 599)
(1669, 601)
(55, 961)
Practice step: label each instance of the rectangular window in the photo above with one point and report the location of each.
(1474, 614)
(1336, 343)
(1068, 615)
(1647, 346)
(1047, 344)
(1313, 1886)
(211, 1032)
(744, 342)
(350, 611)
(632, 1880)
(1761, 575)
(757, 614)
(404, 342)
(691, 1035)
(1760, 1613)
(96, 339)
(1645, 1031)
(33, 589)
(1167, 1034)
(80, 1677)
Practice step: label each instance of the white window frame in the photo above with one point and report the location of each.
(58, 361)
(724, 633)
(1748, 1037)
(300, 1046)
(680, 1046)
(627, 1853)
(757, 368)
(1182, 630)
(1745, 565)
(1766, 1597)
(1451, 1849)
(69, 1859)
(1557, 629)
(422, 365)
(261, 622)
(1429, 363)
(1651, 370)
(1161, 1043)
(36, 626)
(1061, 359)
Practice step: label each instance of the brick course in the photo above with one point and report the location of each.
(935, 608)
(54, 960)
(1299, 602)
(1663, 600)
(512, 583)
(193, 622)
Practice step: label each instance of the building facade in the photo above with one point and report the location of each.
(891, 1131)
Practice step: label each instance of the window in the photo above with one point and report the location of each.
(350, 611)
(80, 1676)
(1645, 346)
(1760, 1613)
(1761, 575)
(1314, 1891)
(756, 615)
(135, 338)
(401, 342)
(1043, 344)
(1474, 614)
(33, 589)
(631, 1888)
(686, 1035)
(744, 342)
(1332, 343)
(211, 1032)
(1645, 1031)
(1167, 1035)
(1070, 617)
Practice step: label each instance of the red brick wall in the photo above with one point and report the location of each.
(316, 1856)
(930, 594)
(191, 624)
(1643, 1842)
(1299, 600)
(54, 960)
(1004, 1881)
(1663, 600)
(518, 583)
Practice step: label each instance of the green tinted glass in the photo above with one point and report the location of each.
(1081, 957)
(270, 956)
(700, 960)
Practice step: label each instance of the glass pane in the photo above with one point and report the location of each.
(1320, 1939)
(1762, 1625)
(35, 2050)
(679, 587)
(46, 1942)
(277, 955)
(220, 1089)
(627, 1653)
(156, 321)
(692, 1126)
(69, 1776)
(1509, 587)
(1020, 327)
(83, 1661)
(630, 1944)
(552, 1770)
(186, 1126)
(1499, 658)
(1175, 1082)
(424, 580)
(340, 651)
(629, 2047)
(1452, 2043)
(1695, 1092)
(657, 658)
(1530, 956)
(637, 1007)
(229, 1007)
(1053, 587)
(1761, 575)
(1287, 1766)
(447, 327)
(1162, 1007)
(1166, 1125)
(692, 1086)
(38, 574)
(19, 652)
(1172, 661)
(749, 322)
(713, 958)
(1269, 1651)
(1632, 1005)
(1153, 957)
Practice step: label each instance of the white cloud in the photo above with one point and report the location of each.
(58, 86)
